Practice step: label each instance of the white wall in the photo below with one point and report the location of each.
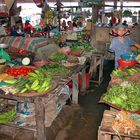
(30, 10)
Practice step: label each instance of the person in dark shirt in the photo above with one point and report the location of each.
(74, 22)
(125, 23)
(17, 29)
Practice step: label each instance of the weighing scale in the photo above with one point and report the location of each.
(4, 54)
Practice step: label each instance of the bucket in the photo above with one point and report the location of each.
(80, 81)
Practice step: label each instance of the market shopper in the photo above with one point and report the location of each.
(17, 29)
(70, 26)
(122, 43)
(64, 25)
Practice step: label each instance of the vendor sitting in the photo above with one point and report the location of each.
(17, 29)
(28, 27)
(122, 43)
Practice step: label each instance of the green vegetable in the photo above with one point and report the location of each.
(126, 97)
(124, 75)
(37, 81)
(84, 46)
(55, 69)
(58, 57)
(7, 116)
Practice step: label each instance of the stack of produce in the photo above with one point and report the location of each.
(30, 80)
(58, 57)
(5, 76)
(124, 90)
(19, 71)
(55, 70)
(36, 82)
(125, 95)
(84, 46)
(8, 115)
(130, 74)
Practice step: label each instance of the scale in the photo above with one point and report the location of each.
(4, 54)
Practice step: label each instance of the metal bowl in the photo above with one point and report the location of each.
(3, 46)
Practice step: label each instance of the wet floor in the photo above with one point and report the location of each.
(85, 124)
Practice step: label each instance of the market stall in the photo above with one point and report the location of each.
(41, 73)
(122, 120)
(41, 100)
(37, 84)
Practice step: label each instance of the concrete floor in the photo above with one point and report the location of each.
(85, 124)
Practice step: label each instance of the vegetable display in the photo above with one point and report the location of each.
(125, 95)
(124, 75)
(8, 116)
(37, 81)
(131, 74)
(19, 71)
(5, 76)
(58, 57)
(84, 46)
(55, 69)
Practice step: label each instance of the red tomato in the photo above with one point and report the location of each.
(19, 71)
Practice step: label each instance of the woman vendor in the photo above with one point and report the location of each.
(122, 43)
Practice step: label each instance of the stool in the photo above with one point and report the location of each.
(97, 60)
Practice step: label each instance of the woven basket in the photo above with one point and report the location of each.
(13, 52)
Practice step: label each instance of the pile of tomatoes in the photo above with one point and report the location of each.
(19, 71)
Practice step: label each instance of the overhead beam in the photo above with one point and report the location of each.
(31, 1)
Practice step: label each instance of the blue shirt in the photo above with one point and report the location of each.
(120, 48)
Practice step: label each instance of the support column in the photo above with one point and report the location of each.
(75, 89)
(95, 10)
(59, 11)
(121, 8)
(115, 4)
(40, 118)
